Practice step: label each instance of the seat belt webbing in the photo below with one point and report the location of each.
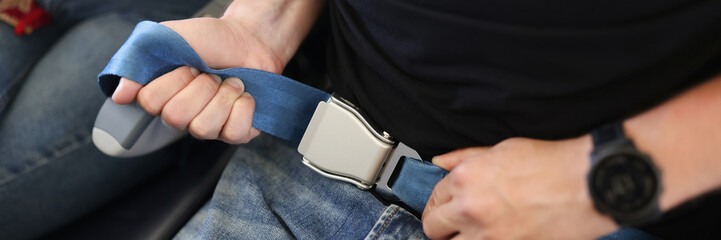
(283, 107)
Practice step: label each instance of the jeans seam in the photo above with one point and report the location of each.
(385, 222)
(45, 159)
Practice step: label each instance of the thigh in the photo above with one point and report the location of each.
(266, 192)
(50, 171)
(60, 96)
(17, 56)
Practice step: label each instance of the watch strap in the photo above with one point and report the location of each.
(607, 133)
(610, 138)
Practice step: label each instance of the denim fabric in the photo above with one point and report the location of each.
(19, 54)
(267, 193)
(50, 172)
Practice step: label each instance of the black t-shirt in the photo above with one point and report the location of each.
(442, 75)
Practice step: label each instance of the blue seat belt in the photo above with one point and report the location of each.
(283, 107)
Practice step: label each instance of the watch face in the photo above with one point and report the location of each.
(624, 182)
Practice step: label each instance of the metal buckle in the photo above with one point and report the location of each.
(340, 144)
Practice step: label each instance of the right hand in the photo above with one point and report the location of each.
(202, 103)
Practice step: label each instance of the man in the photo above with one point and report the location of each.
(517, 96)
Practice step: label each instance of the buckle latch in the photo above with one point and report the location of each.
(340, 144)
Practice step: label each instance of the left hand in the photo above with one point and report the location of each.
(518, 189)
(204, 104)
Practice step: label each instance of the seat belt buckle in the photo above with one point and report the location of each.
(340, 144)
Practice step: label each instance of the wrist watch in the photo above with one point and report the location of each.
(623, 182)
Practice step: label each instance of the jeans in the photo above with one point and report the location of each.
(267, 193)
(50, 172)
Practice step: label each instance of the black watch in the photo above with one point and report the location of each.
(623, 182)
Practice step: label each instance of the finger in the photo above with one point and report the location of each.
(157, 93)
(210, 121)
(238, 129)
(126, 91)
(441, 222)
(188, 103)
(450, 160)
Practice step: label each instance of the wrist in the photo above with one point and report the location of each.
(255, 45)
(649, 144)
(682, 137)
(623, 182)
(281, 25)
(652, 135)
(580, 148)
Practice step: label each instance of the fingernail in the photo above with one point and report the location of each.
(194, 71)
(235, 82)
(216, 77)
(436, 160)
(120, 86)
(246, 94)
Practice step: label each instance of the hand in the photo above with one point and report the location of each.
(518, 189)
(202, 103)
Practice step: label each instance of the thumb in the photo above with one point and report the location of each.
(450, 160)
(126, 91)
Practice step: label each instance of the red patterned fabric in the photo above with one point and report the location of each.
(24, 15)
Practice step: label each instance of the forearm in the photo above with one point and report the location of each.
(281, 24)
(683, 137)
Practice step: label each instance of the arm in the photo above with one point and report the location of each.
(683, 137)
(526, 188)
(252, 34)
(283, 30)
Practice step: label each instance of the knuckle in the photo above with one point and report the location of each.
(233, 136)
(226, 97)
(201, 130)
(243, 141)
(468, 206)
(174, 118)
(253, 133)
(248, 137)
(147, 101)
(246, 103)
(459, 176)
(208, 83)
(239, 108)
(181, 75)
